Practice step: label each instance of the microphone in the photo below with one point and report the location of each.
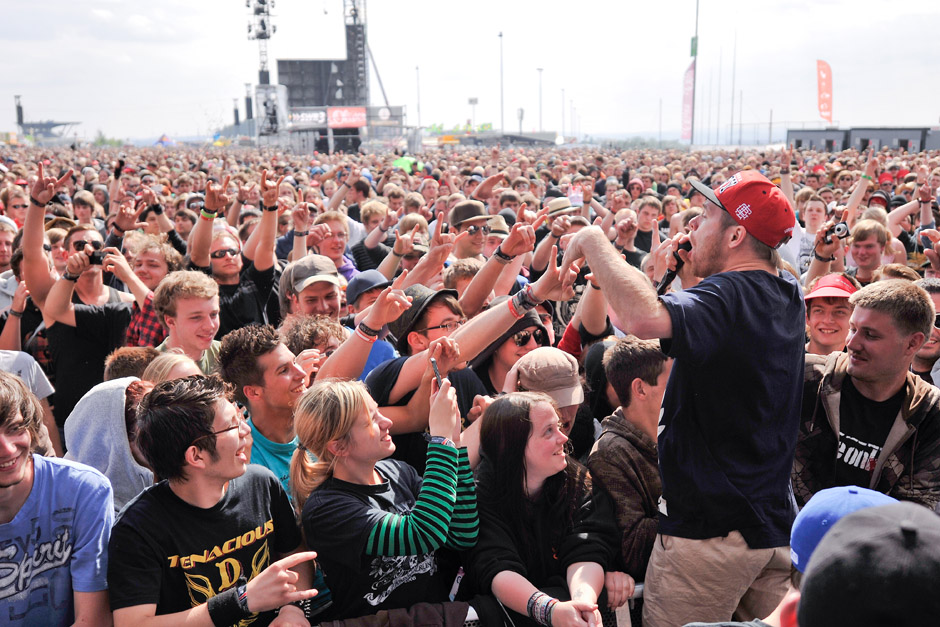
(671, 274)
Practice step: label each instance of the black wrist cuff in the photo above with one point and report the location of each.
(224, 608)
(368, 330)
(823, 259)
(274, 208)
(36, 202)
(70, 277)
(157, 208)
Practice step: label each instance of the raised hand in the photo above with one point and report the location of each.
(244, 193)
(127, 216)
(44, 188)
(404, 243)
(269, 189)
(300, 215)
(521, 240)
(116, 263)
(391, 303)
(557, 283)
(444, 419)
(216, 198)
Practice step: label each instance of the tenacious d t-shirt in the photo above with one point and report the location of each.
(165, 551)
(863, 428)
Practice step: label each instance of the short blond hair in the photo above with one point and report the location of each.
(182, 284)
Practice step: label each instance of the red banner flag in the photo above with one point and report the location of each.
(688, 104)
(824, 80)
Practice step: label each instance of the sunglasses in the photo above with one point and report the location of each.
(19, 206)
(79, 245)
(196, 205)
(936, 321)
(522, 337)
(47, 248)
(223, 252)
(473, 230)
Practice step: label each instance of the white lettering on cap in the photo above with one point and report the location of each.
(743, 212)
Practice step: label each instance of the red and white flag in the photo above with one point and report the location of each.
(824, 80)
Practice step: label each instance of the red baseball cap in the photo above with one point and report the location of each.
(886, 178)
(756, 204)
(832, 286)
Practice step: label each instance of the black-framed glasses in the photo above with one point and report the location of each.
(223, 252)
(522, 337)
(79, 244)
(936, 322)
(239, 420)
(451, 326)
(19, 206)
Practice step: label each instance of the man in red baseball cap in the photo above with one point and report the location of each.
(731, 409)
(828, 311)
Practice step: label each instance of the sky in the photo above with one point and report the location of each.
(136, 69)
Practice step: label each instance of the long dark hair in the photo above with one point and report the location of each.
(504, 434)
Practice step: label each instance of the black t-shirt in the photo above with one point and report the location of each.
(412, 448)
(643, 240)
(242, 304)
(863, 428)
(78, 352)
(165, 551)
(337, 520)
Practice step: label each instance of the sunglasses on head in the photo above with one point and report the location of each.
(522, 337)
(223, 252)
(79, 245)
(473, 230)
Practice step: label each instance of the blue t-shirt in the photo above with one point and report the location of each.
(731, 409)
(275, 456)
(56, 544)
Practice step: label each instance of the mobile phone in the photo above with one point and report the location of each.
(437, 373)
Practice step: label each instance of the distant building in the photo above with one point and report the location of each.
(912, 139)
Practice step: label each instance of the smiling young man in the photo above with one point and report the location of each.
(867, 420)
(199, 548)
(268, 381)
(867, 246)
(827, 313)
(55, 521)
(187, 304)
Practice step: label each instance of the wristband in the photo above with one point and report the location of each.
(865, 176)
(924, 202)
(226, 607)
(512, 309)
(16, 314)
(399, 255)
(115, 227)
(301, 233)
(381, 229)
(366, 338)
(156, 208)
(552, 235)
(36, 202)
(368, 330)
(207, 215)
(593, 286)
(70, 277)
(271, 208)
(823, 259)
(540, 606)
(530, 300)
(439, 439)
(501, 256)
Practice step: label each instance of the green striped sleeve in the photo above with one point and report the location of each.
(425, 528)
(465, 522)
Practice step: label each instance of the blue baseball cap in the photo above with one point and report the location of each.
(822, 512)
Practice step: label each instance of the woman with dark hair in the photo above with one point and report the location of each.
(545, 536)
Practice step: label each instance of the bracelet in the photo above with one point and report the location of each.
(512, 309)
(399, 255)
(501, 256)
(552, 235)
(593, 286)
(823, 259)
(366, 338)
(381, 229)
(540, 606)
(70, 277)
(156, 208)
(115, 227)
(301, 233)
(439, 439)
(865, 176)
(924, 202)
(531, 301)
(271, 208)
(207, 215)
(36, 202)
(226, 607)
(241, 592)
(369, 330)
(16, 314)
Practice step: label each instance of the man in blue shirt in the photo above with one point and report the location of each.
(55, 522)
(731, 409)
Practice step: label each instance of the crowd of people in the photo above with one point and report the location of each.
(506, 385)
